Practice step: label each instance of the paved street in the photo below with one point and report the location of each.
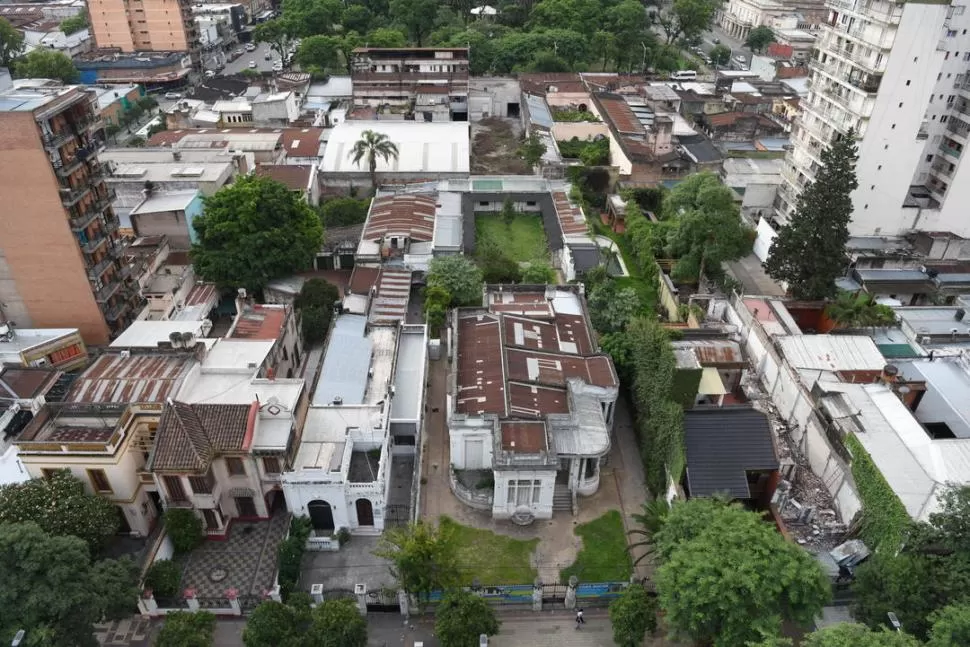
(259, 56)
(737, 47)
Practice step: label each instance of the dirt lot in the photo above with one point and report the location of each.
(495, 142)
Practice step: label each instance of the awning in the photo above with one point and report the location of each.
(711, 383)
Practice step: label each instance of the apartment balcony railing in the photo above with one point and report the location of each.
(80, 222)
(107, 290)
(864, 62)
(110, 225)
(95, 272)
(957, 127)
(943, 169)
(115, 312)
(70, 196)
(94, 242)
(869, 85)
(963, 107)
(54, 141)
(87, 122)
(950, 151)
(409, 77)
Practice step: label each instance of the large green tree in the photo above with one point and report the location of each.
(60, 506)
(532, 150)
(708, 228)
(371, 146)
(951, 626)
(759, 38)
(632, 615)
(274, 624)
(687, 18)
(46, 64)
(462, 617)
(51, 589)
(720, 55)
(74, 23)
(303, 18)
(423, 557)
(276, 33)
(417, 16)
(11, 43)
(253, 231)
(317, 54)
(611, 308)
(459, 276)
(337, 623)
(855, 635)
(343, 212)
(187, 629)
(809, 252)
(733, 578)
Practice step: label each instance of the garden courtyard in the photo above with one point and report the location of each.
(522, 239)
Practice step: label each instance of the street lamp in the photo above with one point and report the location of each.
(19, 638)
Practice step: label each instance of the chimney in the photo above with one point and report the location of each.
(271, 373)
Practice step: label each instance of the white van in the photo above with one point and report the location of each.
(683, 75)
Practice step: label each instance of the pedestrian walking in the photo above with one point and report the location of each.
(580, 620)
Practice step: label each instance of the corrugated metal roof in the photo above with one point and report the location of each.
(723, 444)
(831, 352)
(137, 378)
(539, 113)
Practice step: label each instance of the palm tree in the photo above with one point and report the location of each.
(650, 521)
(372, 145)
(858, 310)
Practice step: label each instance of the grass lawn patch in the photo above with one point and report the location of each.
(490, 558)
(523, 240)
(604, 557)
(646, 290)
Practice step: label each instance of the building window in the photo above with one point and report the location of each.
(211, 519)
(173, 485)
(48, 472)
(202, 484)
(271, 465)
(286, 356)
(235, 466)
(99, 481)
(65, 354)
(523, 492)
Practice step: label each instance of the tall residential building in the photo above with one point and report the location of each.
(897, 74)
(59, 248)
(144, 25)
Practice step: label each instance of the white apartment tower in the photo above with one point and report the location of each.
(896, 73)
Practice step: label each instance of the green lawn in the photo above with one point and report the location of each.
(523, 240)
(491, 559)
(604, 557)
(646, 290)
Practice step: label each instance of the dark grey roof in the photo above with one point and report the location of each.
(722, 444)
(585, 257)
(701, 149)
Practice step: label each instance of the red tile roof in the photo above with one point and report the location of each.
(190, 435)
(481, 379)
(571, 217)
(412, 215)
(618, 112)
(296, 177)
(260, 322)
(302, 142)
(201, 293)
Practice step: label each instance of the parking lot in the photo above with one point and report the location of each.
(259, 57)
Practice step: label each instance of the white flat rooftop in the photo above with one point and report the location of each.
(148, 334)
(428, 148)
(237, 354)
(356, 366)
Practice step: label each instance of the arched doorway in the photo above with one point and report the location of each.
(321, 515)
(365, 512)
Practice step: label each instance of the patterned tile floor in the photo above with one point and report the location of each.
(122, 632)
(247, 558)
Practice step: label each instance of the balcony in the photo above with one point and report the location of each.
(115, 312)
(957, 128)
(93, 242)
(951, 151)
(868, 84)
(55, 140)
(95, 272)
(963, 107)
(88, 121)
(80, 222)
(943, 168)
(71, 196)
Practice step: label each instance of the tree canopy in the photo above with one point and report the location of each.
(859, 310)
(708, 229)
(459, 276)
(532, 150)
(462, 617)
(274, 624)
(759, 38)
(423, 557)
(720, 55)
(371, 146)
(611, 308)
(52, 590)
(728, 577)
(687, 18)
(11, 43)
(187, 629)
(60, 506)
(253, 231)
(74, 23)
(337, 623)
(820, 224)
(46, 64)
(856, 635)
(632, 615)
(343, 212)
(951, 626)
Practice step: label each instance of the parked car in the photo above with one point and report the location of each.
(267, 56)
(252, 65)
(173, 96)
(250, 47)
(278, 66)
(209, 74)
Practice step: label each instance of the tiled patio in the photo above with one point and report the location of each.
(246, 561)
